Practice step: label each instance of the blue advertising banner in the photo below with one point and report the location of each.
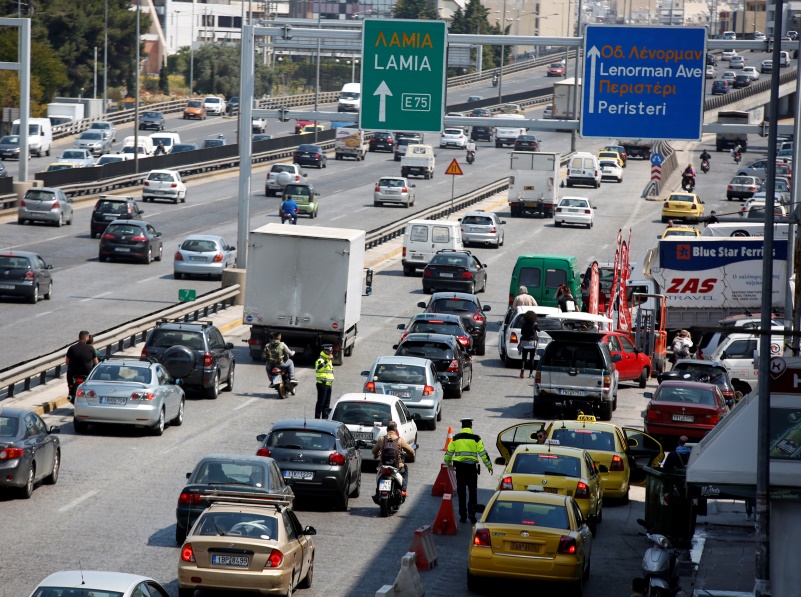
(709, 253)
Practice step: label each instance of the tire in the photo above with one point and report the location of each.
(161, 253)
(472, 288)
(664, 220)
(377, 204)
(384, 505)
(474, 584)
(149, 257)
(306, 583)
(457, 393)
(643, 377)
(158, 428)
(229, 382)
(469, 382)
(342, 501)
(186, 592)
(60, 221)
(557, 224)
(355, 493)
(214, 391)
(180, 537)
(439, 414)
(179, 418)
(606, 410)
(52, 478)
(26, 491)
(69, 222)
(408, 271)
(79, 426)
(34, 298)
(281, 391)
(177, 275)
(481, 349)
(507, 362)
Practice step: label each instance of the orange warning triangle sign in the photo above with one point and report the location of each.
(454, 168)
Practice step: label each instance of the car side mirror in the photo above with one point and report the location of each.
(603, 468)
(261, 437)
(188, 475)
(648, 395)
(729, 402)
(723, 356)
(229, 346)
(616, 358)
(48, 267)
(459, 219)
(309, 531)
(500, 460)
(416, 417)
(179, 382)
(591, 519)
(414, 186)
(486, 308)
(421, 304)
(395, 346)
(365, 373)
(503, 221)
(57, 428)
(401, 326)
(479, 508)
(484, 265)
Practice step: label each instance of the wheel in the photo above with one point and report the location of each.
(557, 224)
(306, 583)
(473, 583)
(34, 298)
(69, 222)
(281, 391)
(664, 220)
(472, 288)
(229, 382)
(606, 410)
(384, 505)
(469, 381)
(214, 391)
(507, 362)
(643, 377)
(21, 222)
(52, 478)
(180, 537)
(568, 184)
(457, 393)
(377, 204)
(342, 501)
(439, 414)
(149, 257)
(186, 592)
(408, 271)
(161, 253)
(355, 493)
(158, 428)
(179, 418)
(26, 491)
(60, 221)
(484, 285)
(481, 349)
(177, 275)
(79, 426)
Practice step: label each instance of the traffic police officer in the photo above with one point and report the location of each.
(324, 368)
(463, 454)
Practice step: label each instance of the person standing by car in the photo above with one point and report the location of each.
(81, 359)
(528, 342)
(523, 299)
(324, 369)
(463, 454)
(388, 448)
(567, 304)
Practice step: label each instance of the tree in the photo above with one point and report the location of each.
(474, 19)
(414, 9)
(164, 80)
(217, 71)
(47, 72)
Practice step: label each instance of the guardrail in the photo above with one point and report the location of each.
(129, 334)
(718, 101)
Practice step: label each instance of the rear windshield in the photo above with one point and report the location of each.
(194, 104)
(530, 277)
(742, 180)
(237, 524)
(302, 439)
(161, 177)
(199, 246)
(453, 305)
(118, 373)
(429, 327)
(391, 182)
(123, 229)
(449, 259)
(362, 413)
(312, 148)
(685, 395)
(161, 338)
(112, 207)
(578, 356)
(399, 373)
(587, 439)
(282, 168)
(683, 198)
(545, 324)
(91, 136)
(525, 513)
(297, 190)
(230, 473)
(426, 350)
(547, 464)
(477, 220)
(9, 426)
(72, 592)
(163, 140)
(15, 262)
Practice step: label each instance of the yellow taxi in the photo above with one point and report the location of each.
(680, 231)
(55, 167)
(683, 206)
(511, 109)
(606, 154)
(247, 542)
(624, 451)
(530, 535)
(309, 128)
(557, 469)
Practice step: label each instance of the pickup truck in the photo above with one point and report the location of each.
(418, 161)
(259, 125)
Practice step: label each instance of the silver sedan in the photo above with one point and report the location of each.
(393, 189)
(482, 228)
(95, 141)
(129, 392)
(94, 582)
(202, 254)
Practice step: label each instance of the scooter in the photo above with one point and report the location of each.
(737, 157)
(705, 166)
(471, 157)
(660, 566)
(286, 218)
(688, 183)
(72, 389)
(279, 380)
(389, 484)
(494, 81)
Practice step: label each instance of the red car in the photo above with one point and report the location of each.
(684, 408)
(299, 124)
(557, 69)
(634, 365)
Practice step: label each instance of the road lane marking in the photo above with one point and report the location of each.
(75, 502)
(247, 403)
(149, 279)
(11, 248)
(339, 217)
(97, 296)
(43, 313)
(363, 208)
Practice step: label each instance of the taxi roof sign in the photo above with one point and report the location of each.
(586, 418)
(454, 169)
(552, 442)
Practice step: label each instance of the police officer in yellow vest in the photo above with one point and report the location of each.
(325, 377)
(463, 454)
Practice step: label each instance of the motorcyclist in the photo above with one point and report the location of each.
(495, 80)
(402, 446)
(471, 148)
(289, 208)
(736, 152)
(278, 354)
(705, 157)
(688, 176)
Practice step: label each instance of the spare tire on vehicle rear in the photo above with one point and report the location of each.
(179, 361)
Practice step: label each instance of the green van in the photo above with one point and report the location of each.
(542, 275)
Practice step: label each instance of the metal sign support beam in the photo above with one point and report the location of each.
(23, 67)
(247, 72)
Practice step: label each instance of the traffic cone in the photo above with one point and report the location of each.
(449, 439)
(445, 483)
(445, 522)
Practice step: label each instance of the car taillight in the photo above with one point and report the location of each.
(178, 256)
(607, 381)
(22, 203)
(482, 538)
(427, 273)
(218, 258)
(29, 275)
(297, 178)
(317, 156)
(174, 186)
(139, 238)
(537, 377)
(97, 205)
(275, 559)
(506, 483)
(667, 204)
(107, 237)
(405, 190)
(263, 452)
(147, 184)
(582, 491)
(587, 211)
(453, 367)
(752, 188)
(478, 317)
(466, 275)
(558, 210)
(403, 336)
(617, 464)
(187, 553)
(370, 387)
(513, 338)
(694, 206)
(11, 453)
(403, 254)
(511, 299)
(189, 499)
(336, 459)
(208, 360)
(494, 230)
(713, 419)
(463, 340)
(567, 545)
(653, 415)
(377, 189)
(143, 396)
(428, 390)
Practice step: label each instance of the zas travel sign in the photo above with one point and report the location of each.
(403, 75)
(643, 82)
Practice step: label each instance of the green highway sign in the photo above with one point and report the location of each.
(186, 295)
(403, 75)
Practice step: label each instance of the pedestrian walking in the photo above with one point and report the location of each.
(567, 304)
(324, 367)
(463, 454)
(523, 299)
(80, 361)
(529, 334)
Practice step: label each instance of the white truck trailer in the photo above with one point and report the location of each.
(534, 183)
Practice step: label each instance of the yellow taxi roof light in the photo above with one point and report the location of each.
(552, 442)
(586, 418)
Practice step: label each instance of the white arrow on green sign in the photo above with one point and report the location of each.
(403, 75)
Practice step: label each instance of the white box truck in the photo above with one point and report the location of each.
(64, 113)
(40, 135)
(729, 140)
(306, 283)
(534, 183)
(563, 99)
(350, 143)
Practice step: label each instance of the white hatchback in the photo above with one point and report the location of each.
(574, 210)
(214, 105)
(752, 73)
(453, 137)
(611, 170)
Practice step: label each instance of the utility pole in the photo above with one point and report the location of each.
(105, 61)
(137, 41)
(576, 82)
(503, 33)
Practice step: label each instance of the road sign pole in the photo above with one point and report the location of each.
(453, 189)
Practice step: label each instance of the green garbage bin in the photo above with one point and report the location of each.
(669, 509)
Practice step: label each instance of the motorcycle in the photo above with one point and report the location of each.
(494, 81)
(73, 388)
(279, 380)
(705, 166)
(389, 484)
(737, 157)
(660, 566)
(688, 183)
(286, 218)
(471, 157)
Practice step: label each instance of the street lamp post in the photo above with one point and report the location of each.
(317, 69)
(105, 61)
(503, 33)
(137, 41)
(192, 53)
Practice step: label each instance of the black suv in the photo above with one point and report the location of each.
(438, 323)
(109, 208)
(382, 142)
(481, 133)
(448, 356)
(466, 306)
(200, 343)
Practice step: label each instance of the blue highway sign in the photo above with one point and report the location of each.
(643, 82)
(657, 159)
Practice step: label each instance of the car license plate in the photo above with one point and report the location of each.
(122, 249)
(385, 485)
(368, 435)
(303, 475)
(684, 418)
(401, 394)
(445, 275)
(112, 400)
(475, 229)
(197, 259)
(551, 490)
(110, 217)
(239, 561)
(532, 547)
(564, 392)
(7, 287)
(416, 256)
(573, 211)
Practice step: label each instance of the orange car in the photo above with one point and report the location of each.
(195, 109)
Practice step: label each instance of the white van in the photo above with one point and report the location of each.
(40, 135)
(145, 146)
(584, 169)
(423, 238)
(350, 98)
(740, 353)
(784, 59)
(168, 138)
